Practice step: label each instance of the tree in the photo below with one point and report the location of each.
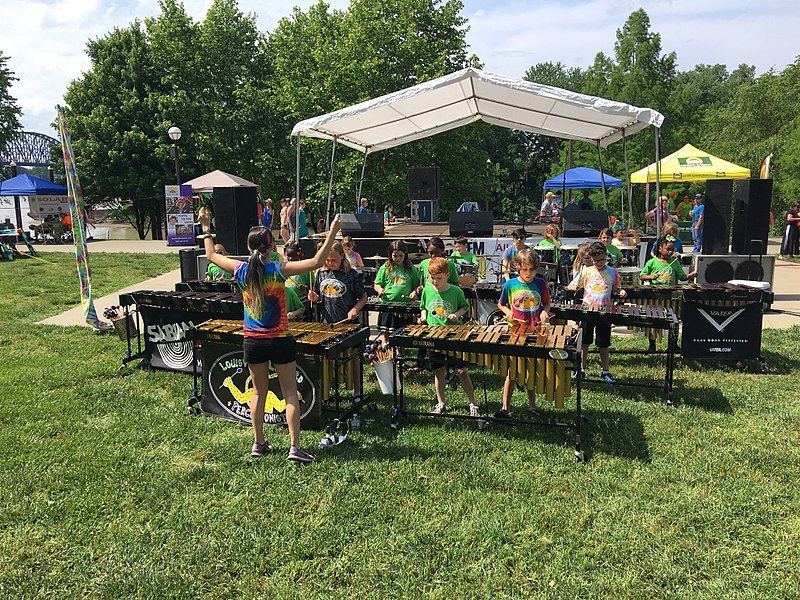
(9, 111)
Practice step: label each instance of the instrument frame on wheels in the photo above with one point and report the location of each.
(630, 315)
(558, 344)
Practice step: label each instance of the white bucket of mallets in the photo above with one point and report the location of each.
(382, 359)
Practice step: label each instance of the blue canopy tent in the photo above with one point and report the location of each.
(581, 178)
(28, 185)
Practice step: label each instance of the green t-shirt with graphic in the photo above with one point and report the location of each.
(440, 304)
(466, 257)
(423, 270)
(397, 285)
(303, 280)
(669, 273)
(614, 254)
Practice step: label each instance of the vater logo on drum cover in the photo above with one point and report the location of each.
(709, 316)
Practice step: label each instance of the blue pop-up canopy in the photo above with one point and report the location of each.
(581, 178)
(28, 185)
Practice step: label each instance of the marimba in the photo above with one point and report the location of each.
(325, 355)
(215, 304)
(630, 315)
(375, 304)
(483, 290)
(541, 359)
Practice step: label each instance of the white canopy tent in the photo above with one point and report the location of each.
(473, 95)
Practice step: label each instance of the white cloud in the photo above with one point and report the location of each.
(46, 41)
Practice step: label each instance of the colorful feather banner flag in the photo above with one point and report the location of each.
(76, 211)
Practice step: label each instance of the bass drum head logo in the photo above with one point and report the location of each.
(231, 387)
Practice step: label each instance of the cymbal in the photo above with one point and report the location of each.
(376, 257)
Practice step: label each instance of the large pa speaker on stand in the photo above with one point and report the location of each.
(717, 216)
(751, 216)
(583, 223)
(235, 212)
(423, 183)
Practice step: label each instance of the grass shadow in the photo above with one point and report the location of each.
(710, 399)
(779, 364)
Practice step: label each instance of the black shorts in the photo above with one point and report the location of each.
(603, 334)
(278, 351)
(437, 360)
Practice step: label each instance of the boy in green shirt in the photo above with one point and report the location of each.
(213, 272)
(294, 307)
(445, 304)
(461, 255)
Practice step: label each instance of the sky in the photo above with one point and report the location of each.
(45, 39)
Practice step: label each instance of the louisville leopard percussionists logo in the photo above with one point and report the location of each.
(230, 385)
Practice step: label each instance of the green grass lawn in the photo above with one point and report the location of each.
(109, 489)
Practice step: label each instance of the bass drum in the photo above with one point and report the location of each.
(489, 314)
(467, 274)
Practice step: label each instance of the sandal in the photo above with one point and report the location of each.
(502, 414)
(260, 449)
(439, 409)
(474, 411)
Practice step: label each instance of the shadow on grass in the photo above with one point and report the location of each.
(710, 399)
(779, 364)
(610, 432)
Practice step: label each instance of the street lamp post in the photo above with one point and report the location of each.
(174, 134)
(17, 206)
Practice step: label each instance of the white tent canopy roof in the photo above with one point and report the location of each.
(470, 95)
(207, 182)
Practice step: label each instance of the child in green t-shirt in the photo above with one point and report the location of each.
(397, 280)
(213, 272)
(662, 269)
(615, 257)
(445, 304)
(300, 283)
(436, 249)
(461, 254)
(294, 307)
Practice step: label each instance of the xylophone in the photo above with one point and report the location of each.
(338, 345)
(537, 360)
(212, 303)
(483, 290)
(375, 304)
(206, 286)
(630, 315)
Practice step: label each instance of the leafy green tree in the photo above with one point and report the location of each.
(9, 111)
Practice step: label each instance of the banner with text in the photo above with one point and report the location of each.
(180, 215)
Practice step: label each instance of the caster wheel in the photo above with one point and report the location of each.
(765, 369)
(579, 456)
(483, 425)
(194, 410)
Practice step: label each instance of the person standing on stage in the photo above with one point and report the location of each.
(586, 202)
(698, 216)
(266, 327)
(445, 304)
(364, 207)
(508, 265)
(546, 210)
(266, 214)
(525, 301)
(790, 245)
(284, 214)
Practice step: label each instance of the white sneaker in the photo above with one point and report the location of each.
(439, 409)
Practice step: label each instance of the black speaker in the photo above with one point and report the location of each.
(235, 212)
(583, 223)
(188, 259)
(365, 225)
(479, 223)
(717, 216)
(751, 216)
(423, 183)
(721, 269)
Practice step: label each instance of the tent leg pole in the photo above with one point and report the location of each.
(330, 190)
(361, 180)
(659, 224)
(627, 188)
(297, 196)
(602, 177)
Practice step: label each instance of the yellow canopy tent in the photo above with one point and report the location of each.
(690, 164)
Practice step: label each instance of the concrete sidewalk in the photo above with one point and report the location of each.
(127, 246)
(75, 316)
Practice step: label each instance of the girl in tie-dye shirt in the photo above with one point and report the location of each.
(598, 282)
(266, 329)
